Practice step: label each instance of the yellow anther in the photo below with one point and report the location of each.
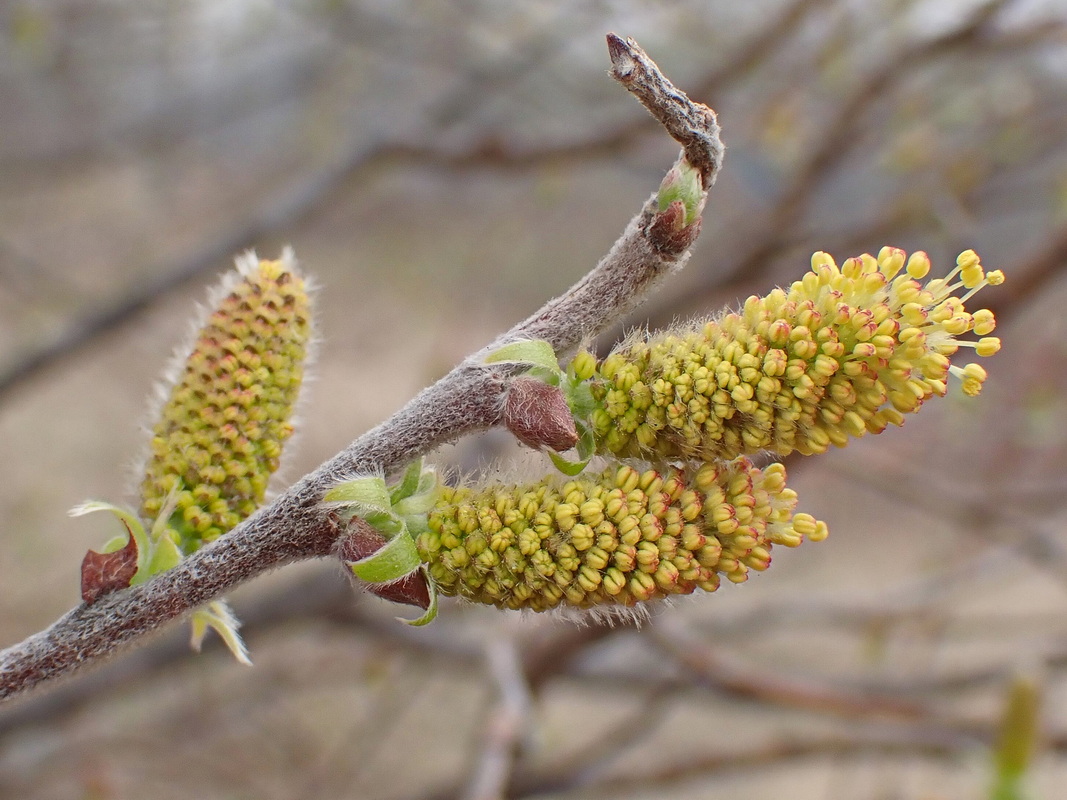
(918, 266)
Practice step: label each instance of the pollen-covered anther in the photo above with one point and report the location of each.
(623, 536)
(973, 376)
(221, 429)
(846, 350)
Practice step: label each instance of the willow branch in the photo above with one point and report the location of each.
(468, 399)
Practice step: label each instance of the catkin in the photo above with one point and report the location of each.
(841, 353)
(620, 537)
(221, 429)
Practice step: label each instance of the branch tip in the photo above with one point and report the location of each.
(693, 125)
(620, 51)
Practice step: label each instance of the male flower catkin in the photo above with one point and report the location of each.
(221, 430)
(219, 436)
(615, 538)
(844, 351)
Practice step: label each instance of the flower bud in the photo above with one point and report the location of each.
(683, 183)
(538, 416)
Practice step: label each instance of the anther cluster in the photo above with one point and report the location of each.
(623, 536)
(845, 351)
(221, 429)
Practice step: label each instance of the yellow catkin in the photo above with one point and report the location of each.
(845, 351)
(222, 426)
(623, 536)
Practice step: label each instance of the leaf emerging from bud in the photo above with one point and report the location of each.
(361, 541)
(683, 184)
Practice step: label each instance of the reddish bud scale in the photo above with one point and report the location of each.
(538, 416)
(361, 541)
(103, 573)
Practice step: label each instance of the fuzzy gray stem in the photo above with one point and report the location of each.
(468, 399)
(692, 125)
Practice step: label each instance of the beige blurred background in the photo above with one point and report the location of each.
(442, 169)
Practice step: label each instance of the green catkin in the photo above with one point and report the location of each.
(221, 429)
(616, 538)
(842, 352)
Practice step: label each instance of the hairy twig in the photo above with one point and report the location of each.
(324, 596)
(466, 400)
(690, 123)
